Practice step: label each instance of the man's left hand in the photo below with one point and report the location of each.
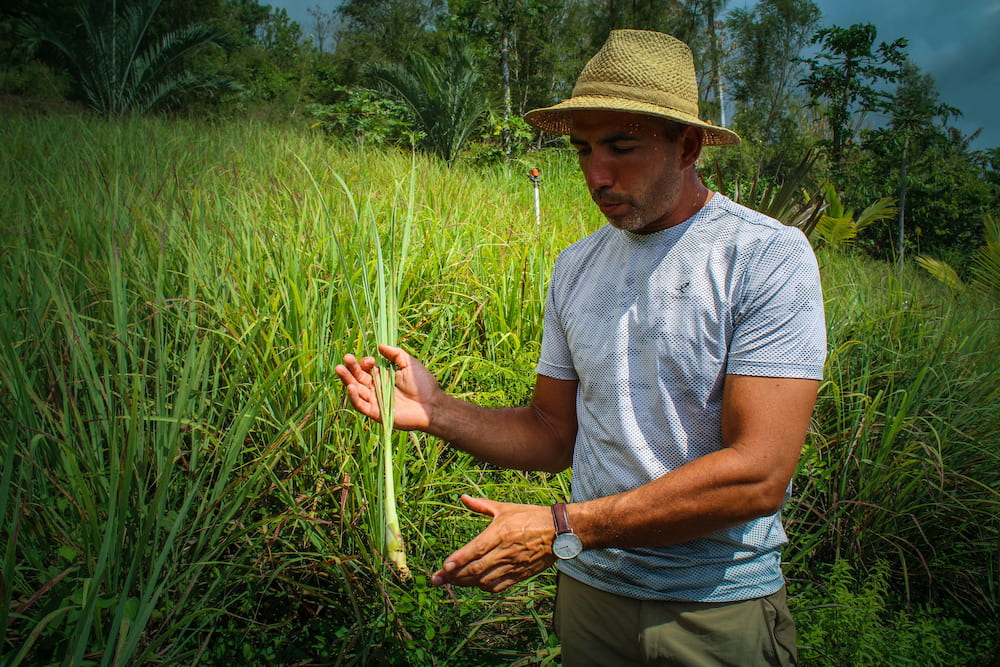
(516, 545)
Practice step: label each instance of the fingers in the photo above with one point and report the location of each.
(396, 355)
(364, 369)
(481, 505)
(357, 378)
(515, 546)
(477, 573)
(467, 566)
(353, 370)
(486, 573)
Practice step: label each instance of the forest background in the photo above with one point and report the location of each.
(194, 193)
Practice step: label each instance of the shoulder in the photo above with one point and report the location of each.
(750, 222)
(752, 234)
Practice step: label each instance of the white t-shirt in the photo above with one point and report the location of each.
(650, 325)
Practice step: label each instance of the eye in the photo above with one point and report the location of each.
(620, 149)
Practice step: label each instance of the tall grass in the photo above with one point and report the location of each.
(150, 418)
(380, 295)
(903, 462)
(183, 482)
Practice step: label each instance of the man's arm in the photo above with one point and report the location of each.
(539, 436)
(764, 422)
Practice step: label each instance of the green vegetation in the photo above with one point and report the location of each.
(848, 622)
(113, 62)
(181, 481)
(455, 78)
(445, 98)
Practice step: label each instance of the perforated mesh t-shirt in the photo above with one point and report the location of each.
(650, 325)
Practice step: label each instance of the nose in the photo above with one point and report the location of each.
(597, 170)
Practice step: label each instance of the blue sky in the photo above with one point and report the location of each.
(956, 41)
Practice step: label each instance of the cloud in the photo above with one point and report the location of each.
(954, 41)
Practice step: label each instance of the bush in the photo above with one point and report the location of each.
(849, 621)
(364, 115)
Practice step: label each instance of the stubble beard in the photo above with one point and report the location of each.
(629, 222)
(637, 218)
(646, 210)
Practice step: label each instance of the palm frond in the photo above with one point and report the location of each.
(836, 231)
(115, 68)
(789, 202)
(881, 209)
(445, 97)
(942, 271)
(839, 225)
(986, 268)
(148, 83)
(991, 227)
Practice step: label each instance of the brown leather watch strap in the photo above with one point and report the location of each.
(561, 518)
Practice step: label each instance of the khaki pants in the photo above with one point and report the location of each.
(598, 628)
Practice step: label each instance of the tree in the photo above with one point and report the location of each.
(522, 38)
(709, 10)
(846, 74)
(494, 23)
(767, 41)
(279, 35)
(247, 17)
(176, 14)
(505, 16)
(946, 193)
(270, 56)
(116, 67)
(444, 95)
(324, 25)
(386, 30)
(915, 107)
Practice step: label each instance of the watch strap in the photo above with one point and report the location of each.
(560, 517)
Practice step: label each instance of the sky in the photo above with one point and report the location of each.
(955, 41)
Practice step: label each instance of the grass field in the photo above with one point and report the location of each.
(181, 481)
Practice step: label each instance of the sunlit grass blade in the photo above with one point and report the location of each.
(380, 295)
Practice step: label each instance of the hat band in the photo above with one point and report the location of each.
(655, 97)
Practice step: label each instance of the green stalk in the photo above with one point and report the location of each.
(381, 300)
(389, 333)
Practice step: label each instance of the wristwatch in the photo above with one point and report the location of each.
(566, 545)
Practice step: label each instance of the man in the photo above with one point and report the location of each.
(680, 361)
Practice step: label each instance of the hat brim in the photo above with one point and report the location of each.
(558, 117)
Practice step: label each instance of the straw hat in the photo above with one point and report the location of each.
(638, 71)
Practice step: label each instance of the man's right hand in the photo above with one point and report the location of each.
(416, 388)
(539, 436)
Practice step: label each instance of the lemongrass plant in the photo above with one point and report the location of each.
(380, 281)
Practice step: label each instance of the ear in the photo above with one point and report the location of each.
(691, 141)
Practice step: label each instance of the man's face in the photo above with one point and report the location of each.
(633, 170)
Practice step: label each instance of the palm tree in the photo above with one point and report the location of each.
(113, 64)
(446, 98)
(985, 267)
(839, 225)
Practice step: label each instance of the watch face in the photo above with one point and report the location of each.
(566, 546)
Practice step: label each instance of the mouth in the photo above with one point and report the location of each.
(609, 205)
(609, 208)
